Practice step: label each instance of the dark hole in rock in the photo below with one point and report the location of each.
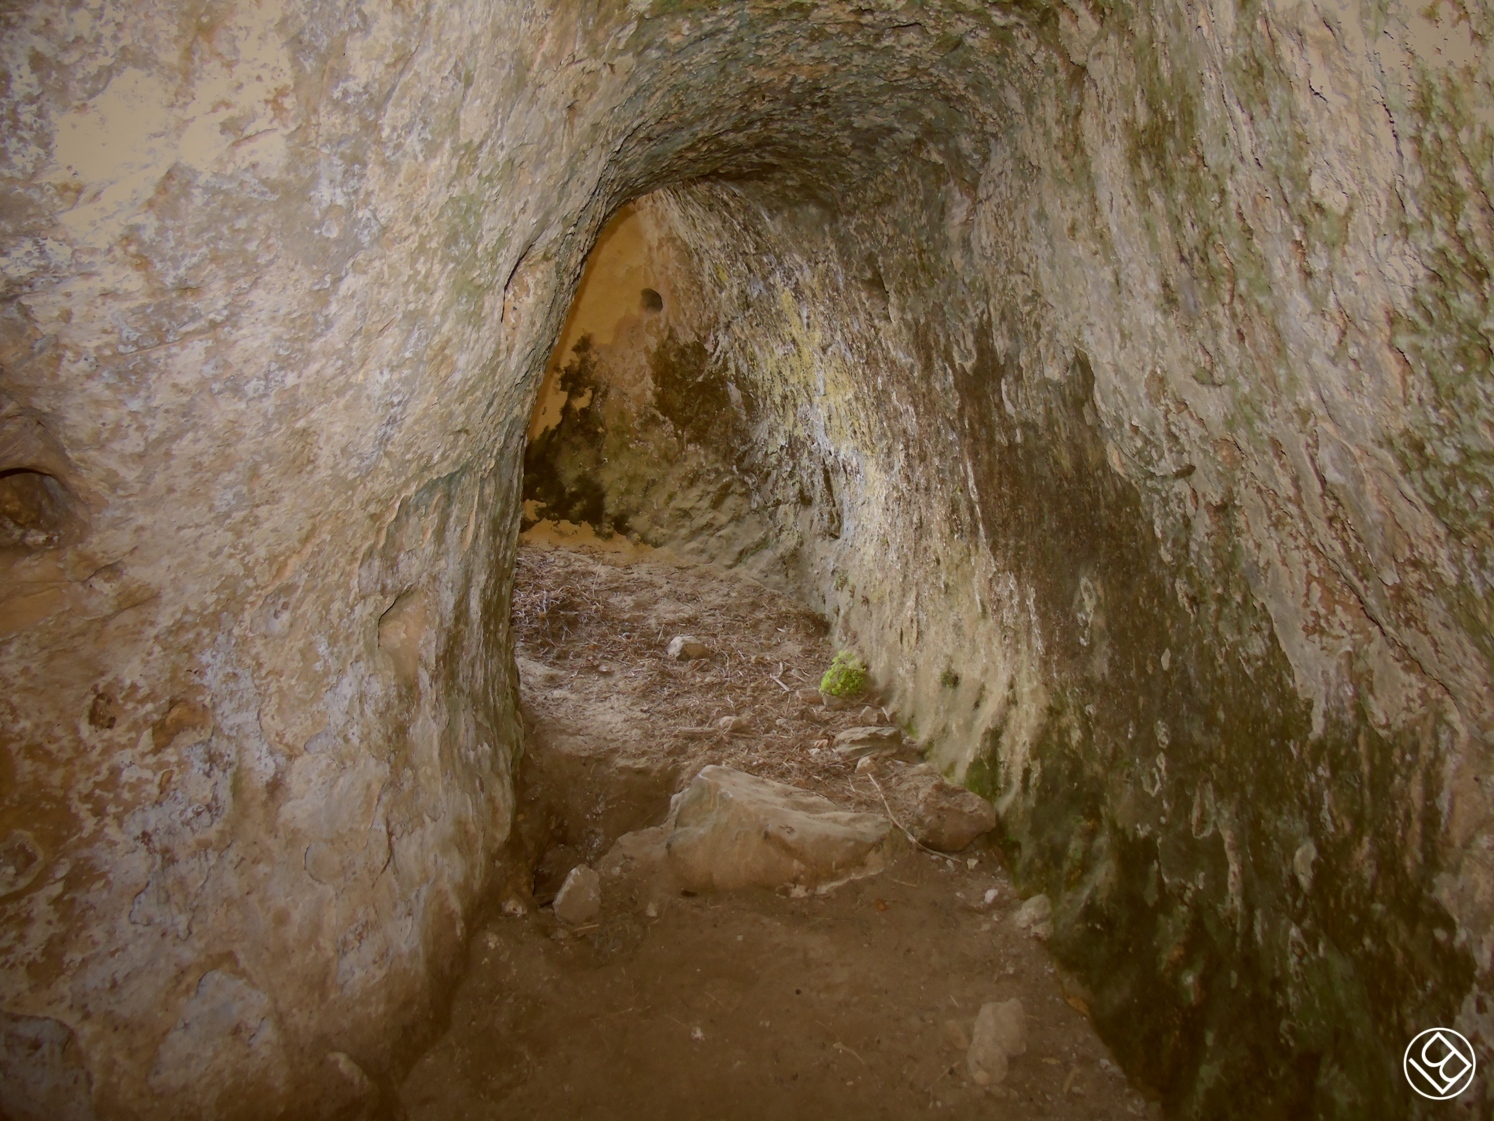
(33, 507)
(104, 712)
(20, 860)
(652, 301)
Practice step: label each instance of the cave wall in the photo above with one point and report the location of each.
(1116, 377)
(257, 726)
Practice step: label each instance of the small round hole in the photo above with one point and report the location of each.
(652, 301)
(33, 507)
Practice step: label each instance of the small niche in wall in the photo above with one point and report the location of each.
(34, 508)
(36, 505)
(652, 301)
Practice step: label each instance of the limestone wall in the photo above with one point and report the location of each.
(1116, 377)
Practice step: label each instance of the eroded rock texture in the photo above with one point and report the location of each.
(1118, 377)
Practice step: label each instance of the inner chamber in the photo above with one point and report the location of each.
(642, 427)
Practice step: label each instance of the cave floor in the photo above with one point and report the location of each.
(855, 1003)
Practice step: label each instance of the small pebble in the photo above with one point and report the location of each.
(686, 647)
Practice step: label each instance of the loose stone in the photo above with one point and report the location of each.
(940, 814)
(1000, 1034)
(734, 830)
(854, 743)
(580, 898)
(1036, 917)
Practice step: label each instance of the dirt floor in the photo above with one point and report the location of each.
(855, 1003)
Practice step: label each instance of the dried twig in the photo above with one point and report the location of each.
(893, 818)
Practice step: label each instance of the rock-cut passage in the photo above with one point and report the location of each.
(1114, 380)
(711, 912)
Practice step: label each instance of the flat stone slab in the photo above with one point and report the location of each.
(733, 830)
(855, 743)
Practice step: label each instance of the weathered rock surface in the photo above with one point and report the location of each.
(42, 1076)
(733, 830)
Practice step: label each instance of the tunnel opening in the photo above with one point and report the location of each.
(660, 662)
(660, 642)
(626, 445)
(789, 416)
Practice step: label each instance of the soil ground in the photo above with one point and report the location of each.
(856, 1003)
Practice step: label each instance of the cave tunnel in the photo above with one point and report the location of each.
(1112, 381)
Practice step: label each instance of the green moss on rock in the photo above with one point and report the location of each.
(846, 676)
